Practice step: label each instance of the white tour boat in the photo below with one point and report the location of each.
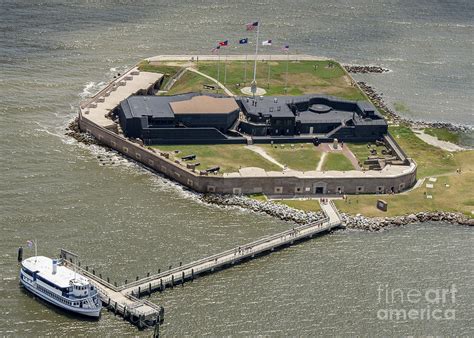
(59, 285)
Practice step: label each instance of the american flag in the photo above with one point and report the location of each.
(251, 25)
(216, 49)
(286, 48)
(224, 43)
(29, 243)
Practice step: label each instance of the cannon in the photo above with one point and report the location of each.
(213, 169)
(188, 157)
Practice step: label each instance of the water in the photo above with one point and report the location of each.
(125, 221)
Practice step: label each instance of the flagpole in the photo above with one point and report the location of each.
(254, 83)
(286, 77)
(218, 64)
(269, 61)
(225, 68)
(245, 69)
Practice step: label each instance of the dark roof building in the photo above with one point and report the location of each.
(318, 115)
(185, 118)
(195, 118)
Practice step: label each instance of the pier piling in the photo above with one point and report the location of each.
(20, 254)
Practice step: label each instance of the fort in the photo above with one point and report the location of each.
(127, 116)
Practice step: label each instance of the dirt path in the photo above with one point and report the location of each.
(321, 161)
(227, 91)
(265, 155)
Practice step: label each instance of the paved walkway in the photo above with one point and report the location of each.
(448, 146)
(99, 105)
(264, 154)
(232, 256)
(227, 91)
(330, 211)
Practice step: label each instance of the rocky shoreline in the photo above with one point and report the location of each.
(379, 102)
(73, 131)
(280, 211)
(379, 223)
(356, 69)
(358, 222)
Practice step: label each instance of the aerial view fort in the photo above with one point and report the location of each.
(131, 181)
(323, 140)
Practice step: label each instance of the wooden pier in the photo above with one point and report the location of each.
(125, 300)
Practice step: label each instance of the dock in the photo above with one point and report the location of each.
(125, 300)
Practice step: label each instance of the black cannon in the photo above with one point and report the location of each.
(208, 86)
(213, 169)
(188, 157)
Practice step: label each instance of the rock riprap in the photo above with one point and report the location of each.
(277, 210)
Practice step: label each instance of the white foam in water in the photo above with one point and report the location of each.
(91, 88)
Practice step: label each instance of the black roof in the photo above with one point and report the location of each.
(305, 108)
(156, 106)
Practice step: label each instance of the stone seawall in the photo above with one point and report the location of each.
(379, 223)
(287, 213)
(284, 184)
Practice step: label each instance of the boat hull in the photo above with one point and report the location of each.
(93, 313)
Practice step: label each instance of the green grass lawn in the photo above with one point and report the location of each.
(457, 197)
(337, 161)
(304, 77)
(305, 205)
(302, 157)
(258, 197)
(443, 134)
(229, 157)
(167, 70)
(431, 160)
(191, 82)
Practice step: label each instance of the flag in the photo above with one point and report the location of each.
(286, 48)
(243, 41)
(251, 25)
(267, 43)
(216, 49)
(224, 43)
(29, 244)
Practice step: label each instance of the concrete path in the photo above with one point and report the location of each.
(227, 91)
(448, 146)
(264, 154)
(330, 211)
